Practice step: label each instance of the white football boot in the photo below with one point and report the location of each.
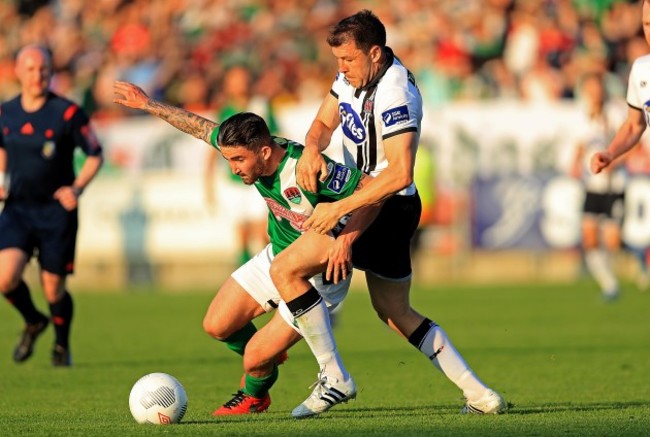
(328, 391)
(490, 403)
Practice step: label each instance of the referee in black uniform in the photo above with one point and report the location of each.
(39, 131)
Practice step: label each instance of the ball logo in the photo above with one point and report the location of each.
(164, 419)
(351, 123)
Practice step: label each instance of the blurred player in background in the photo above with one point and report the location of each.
(603, 207)
(638, 100)
(39, 132)
(240, 201)
(375, 100)
(631, 130)
(269, 163)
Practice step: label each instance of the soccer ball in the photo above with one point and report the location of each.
(158, 398)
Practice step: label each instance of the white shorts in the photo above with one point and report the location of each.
(241, 202)
(255, 278)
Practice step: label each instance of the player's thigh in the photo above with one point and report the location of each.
(12, 266)
(590, 229)
(16, 246)
(230, 310)
(56, 229)
(611, 235)
(269, 341)
(305, 257)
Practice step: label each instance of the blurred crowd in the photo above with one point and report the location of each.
(179, 50)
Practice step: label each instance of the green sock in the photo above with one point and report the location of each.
(237, 342)
(259, 387)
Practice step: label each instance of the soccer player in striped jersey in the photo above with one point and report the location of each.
(376, 102)
(638, 100)
(39, 132)
(269, 163)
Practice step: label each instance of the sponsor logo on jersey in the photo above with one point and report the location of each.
(282, 212)
(351, 123)
(27, 129)
(293, 195)
(49, 147)
(643, 83)
(340, 175)
(395, 115)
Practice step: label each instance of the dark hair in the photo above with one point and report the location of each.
(364, 28)
(244, 129)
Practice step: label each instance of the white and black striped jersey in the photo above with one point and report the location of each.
(638, 89)
(389, 105)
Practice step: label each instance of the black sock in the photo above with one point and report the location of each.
(417, 337)
(62, 319)
(21, 299)
(304, 302)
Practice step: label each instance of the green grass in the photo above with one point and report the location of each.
(569, 365)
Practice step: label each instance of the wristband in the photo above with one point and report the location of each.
(2, 179)
(77, 191)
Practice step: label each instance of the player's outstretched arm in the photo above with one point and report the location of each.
(132, 96)
(627, 136)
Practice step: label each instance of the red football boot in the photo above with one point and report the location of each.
(241, 403)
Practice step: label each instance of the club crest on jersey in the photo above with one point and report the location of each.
(395, 115)
(49, 147)
(293, 195)
(351, 123)
(338, 177)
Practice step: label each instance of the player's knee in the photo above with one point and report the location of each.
(215, 329)
(279, 271)
(8, 284)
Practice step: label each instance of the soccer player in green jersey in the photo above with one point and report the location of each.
(269, 163)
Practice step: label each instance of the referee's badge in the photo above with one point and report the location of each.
(293, 195)
(49, 147)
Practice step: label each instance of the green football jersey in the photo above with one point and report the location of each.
(289, 206)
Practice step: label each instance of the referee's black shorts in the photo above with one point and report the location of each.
(385, 247)
(46, 228)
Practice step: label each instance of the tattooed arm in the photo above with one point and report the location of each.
(132, 96)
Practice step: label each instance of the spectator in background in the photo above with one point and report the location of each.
(242, 202)
(603, 206)
(39, 132)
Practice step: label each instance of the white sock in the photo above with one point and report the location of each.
(599, 265)
(315, 327)
(442, 353)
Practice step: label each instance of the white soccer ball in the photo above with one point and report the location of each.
(158, 398)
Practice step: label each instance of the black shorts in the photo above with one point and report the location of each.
(46, 228)
(610, 205)
(385, 247)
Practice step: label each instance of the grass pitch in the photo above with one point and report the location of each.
(567, 363)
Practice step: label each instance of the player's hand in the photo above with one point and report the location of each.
(3, 194)
(311, 167)
(600, 160)
(67, 197)
(324, 218)
(339, 263)
(129, 95)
